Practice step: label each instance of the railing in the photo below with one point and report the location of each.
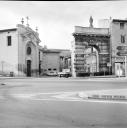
(79, 59)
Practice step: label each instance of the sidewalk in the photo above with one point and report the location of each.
(92, 78)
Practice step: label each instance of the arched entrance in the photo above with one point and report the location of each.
(91, 60)
(28, 59)
(28, 68)
(32, 59)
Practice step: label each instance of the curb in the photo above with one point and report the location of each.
(102, 96)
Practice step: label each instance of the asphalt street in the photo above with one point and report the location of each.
(32, 103)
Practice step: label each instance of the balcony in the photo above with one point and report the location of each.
(79, 59)
(79, 62)
(80, 52)
(79, 66)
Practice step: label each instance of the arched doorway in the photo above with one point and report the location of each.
(91, 60)
(28, 68)
(28, 53)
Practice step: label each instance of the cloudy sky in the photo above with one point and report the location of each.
(56, 20)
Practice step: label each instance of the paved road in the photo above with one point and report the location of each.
(22, 104)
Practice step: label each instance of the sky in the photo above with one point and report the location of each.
(56, 19)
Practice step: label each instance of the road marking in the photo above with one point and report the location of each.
(81, 100)
(62, 96)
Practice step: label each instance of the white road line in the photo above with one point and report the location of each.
(81, 100)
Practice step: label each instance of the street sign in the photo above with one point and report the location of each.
(122, 48)
(122, 53)
(119, 59)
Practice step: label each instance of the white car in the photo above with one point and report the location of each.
(64, 74)
(52, 73)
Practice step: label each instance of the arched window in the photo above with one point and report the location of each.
(28, 50)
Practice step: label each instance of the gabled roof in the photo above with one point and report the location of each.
(118, 20)
(28, 31)
(7, 30)
(51, 51)
(55, 50)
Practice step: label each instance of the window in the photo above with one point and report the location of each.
(9, 40)
(122, 39)
(28, 50)
(121, 25)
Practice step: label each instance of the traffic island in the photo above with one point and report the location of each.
(108, 97)
(115, 94)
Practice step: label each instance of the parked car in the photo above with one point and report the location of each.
(65, 73)
(52, 73)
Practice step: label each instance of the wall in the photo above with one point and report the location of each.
(26, 37)
(50, 60)
(116, 33)
(55, 59)
(9, 54)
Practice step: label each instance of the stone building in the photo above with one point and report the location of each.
(99, 51)
(54, 60)
(19, 51)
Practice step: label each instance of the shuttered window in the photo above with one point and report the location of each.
(122, 39)
(121, 25)
(9, 43)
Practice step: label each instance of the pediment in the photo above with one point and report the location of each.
(27, 32)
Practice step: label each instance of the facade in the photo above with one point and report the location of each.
(99, 51)
(118, 40)
(19, 51)
(54, 60)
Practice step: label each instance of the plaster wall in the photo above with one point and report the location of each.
(9, 54)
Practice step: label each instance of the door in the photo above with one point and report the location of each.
(28, 67)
